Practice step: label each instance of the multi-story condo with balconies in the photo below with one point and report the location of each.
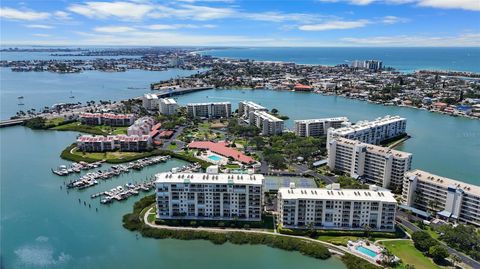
(109, 119)
(372, 132)
(318, 127)
(209, 110)
(335, 208)
(90, 143)
(450, 199)
(142, 126)
(268, 124)
(168, 106)
(209, 195)
(245, 107)
(150, 101)
(374, 164)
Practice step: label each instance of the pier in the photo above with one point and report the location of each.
(7, 123)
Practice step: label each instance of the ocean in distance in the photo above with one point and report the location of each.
(403, 59)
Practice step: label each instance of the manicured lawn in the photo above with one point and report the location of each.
(432, 233)
(54, 121)
(172, 147)
(405, 250)
(338, 240)
(97, 129)
(114, 155)
(232, 166)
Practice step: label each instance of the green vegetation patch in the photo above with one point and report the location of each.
(133, 222)
(92, 129)
(406, 251)
(353, 262)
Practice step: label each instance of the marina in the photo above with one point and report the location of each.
(91, 179)
(64, 170)
(121, 193)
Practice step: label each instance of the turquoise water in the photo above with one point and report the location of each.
(403, 59)
(448, 146)
(366, 251)
(44, 227)
(42, 89)
(214, 158)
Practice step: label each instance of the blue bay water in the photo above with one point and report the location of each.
(403, 59)
(445, 145)
(41, 89)
(44, 227)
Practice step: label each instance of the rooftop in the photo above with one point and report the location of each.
(265, 115)
(208, 104)
(253, 105)
(342, 119)
(373, 148)
(222, 149)
(150, 96)
(168, 101)
(443, 181)
(206, 178)
(364, 125)
(380, 194)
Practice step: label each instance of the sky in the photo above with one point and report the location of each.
(282, 23)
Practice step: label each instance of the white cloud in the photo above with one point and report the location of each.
(121, 10)
(334, 25)
(39, 26)
(41, 35)
(177, 26)
(62, 15)
(470, 39)
(393, 20)
(16, 14)
(444, 4)
(114, 29)
(460, 4)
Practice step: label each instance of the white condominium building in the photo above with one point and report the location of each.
(375, 164)
(150, 101)
(451, 199)
(168, 106)
(244, 108)
(268, 124)
(142, 126)
(318, 127)
(109, 119)
(372, 132)
(209, 196)
(335, 208)
(209, 110)
(90, 143)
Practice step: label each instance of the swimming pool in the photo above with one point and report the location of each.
(214, 158)
(366, 251)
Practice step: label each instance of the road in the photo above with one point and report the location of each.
(302, 168)
(339, 250)
(465, 259)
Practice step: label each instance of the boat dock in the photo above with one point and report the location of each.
(121, 193)
(91, 179)
(63, 170)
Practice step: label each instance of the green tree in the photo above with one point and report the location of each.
(423, 241)
(438, 252)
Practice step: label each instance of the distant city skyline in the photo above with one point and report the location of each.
(422, 23)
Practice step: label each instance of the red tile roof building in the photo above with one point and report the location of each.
(222, 149)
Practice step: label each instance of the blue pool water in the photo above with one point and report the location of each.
(366, 251)
(214, 158)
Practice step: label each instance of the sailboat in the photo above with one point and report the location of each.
(20, 103)
(71, 95)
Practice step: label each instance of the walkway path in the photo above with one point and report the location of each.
(339, 250)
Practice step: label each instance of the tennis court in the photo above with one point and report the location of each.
(274, 182)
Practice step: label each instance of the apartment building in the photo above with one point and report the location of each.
(209, 195)
(318, 127)
(375, 164)
(109, 119)
(335, 208)
(245, 107)
(209, 110)
(90, 143)
(452, 200)
(150, 101)
(168, 106)
(268, 124)
(371, 132)
(142, 126)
